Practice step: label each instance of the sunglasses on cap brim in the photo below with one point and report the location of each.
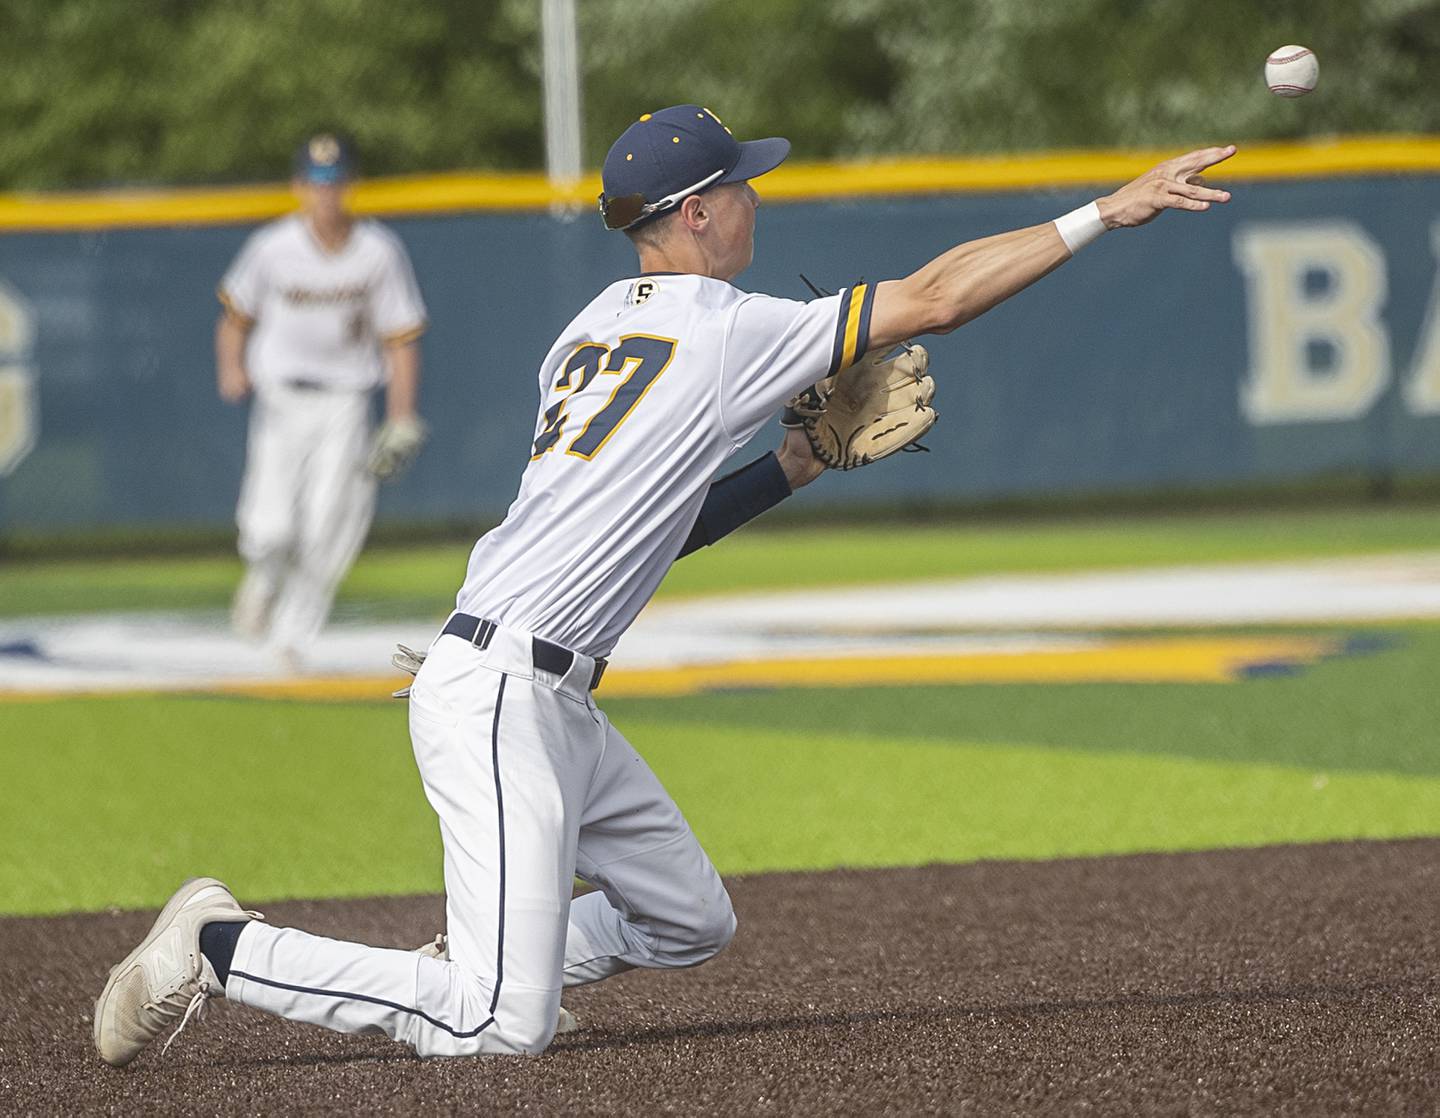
(627, 209)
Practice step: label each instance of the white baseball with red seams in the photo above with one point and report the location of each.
(1292, 71)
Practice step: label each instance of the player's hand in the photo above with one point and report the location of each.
(797, 459)
(234, 383)
(1176, 184)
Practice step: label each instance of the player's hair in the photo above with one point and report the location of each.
(654, 233)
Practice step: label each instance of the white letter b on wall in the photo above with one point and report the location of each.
(1318, 351)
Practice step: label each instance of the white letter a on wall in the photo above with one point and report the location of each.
(1422, 390)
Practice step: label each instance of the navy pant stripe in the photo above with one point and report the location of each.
(500, 813)
(363, 998)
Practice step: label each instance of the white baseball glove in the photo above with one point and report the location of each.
(396, 445)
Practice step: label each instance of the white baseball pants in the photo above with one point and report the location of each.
(305, 504)
(533, 787)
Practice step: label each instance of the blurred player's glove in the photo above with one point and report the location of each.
(407, 660)
(396, 444)
(867, 412)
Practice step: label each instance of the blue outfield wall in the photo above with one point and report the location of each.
(1283, 338)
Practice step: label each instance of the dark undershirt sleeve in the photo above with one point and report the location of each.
(735, 499)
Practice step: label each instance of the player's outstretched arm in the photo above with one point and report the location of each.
(967, 281)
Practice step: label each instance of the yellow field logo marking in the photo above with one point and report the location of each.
(1208, 659)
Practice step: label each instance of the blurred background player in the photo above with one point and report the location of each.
(320, 310)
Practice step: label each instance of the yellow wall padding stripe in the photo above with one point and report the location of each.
(799, 182)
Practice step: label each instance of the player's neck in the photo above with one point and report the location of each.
(333, 234)
(684, 257)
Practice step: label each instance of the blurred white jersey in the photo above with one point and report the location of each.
(642, 397)
(320, 316)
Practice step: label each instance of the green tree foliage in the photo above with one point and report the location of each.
(806, 69)
(108, 91)
(101, 92)
(998, 75)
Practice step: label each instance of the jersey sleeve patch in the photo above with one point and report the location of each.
(852, 326)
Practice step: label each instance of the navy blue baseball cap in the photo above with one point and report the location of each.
(325, 159)
(666, 156)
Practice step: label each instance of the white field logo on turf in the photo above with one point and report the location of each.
(1062, 627)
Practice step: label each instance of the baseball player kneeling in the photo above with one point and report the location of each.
(642, 396)
(320, 309)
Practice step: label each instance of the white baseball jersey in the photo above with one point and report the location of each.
(319, 315)
(643, 396)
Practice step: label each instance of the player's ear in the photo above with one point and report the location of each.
(694, 213)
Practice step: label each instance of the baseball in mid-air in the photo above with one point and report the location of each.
(1292, 71)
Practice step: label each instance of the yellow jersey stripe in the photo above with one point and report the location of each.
(400, 337)
(232, 309)
(852, 326)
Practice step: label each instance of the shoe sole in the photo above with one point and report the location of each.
(183, 896)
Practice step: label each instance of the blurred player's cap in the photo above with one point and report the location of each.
(324, 158)
(666, 156)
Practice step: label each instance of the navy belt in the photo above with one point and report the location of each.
(545, 654)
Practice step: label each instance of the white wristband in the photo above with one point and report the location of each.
(1079, 227)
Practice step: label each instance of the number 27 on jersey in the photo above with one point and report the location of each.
(635, 364)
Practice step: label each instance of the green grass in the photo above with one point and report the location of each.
(1373, 711)
(794, 800)
(396, 582)
(106, 799)
(112, 801)
(293, 800)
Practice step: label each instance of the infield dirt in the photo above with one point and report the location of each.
(1300, 980)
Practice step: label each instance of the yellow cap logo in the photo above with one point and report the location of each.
(324, 150)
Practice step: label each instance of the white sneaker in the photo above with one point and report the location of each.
(440, 949)
(166, 979)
